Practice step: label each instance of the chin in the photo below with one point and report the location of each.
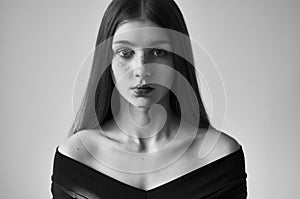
(142, 103)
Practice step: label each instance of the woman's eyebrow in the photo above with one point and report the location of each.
(151, 43)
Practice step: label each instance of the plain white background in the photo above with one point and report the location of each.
(255, 45)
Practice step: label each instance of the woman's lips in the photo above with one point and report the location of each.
(139, 86)
(141, 91)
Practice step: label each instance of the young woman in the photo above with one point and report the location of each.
(142, 130)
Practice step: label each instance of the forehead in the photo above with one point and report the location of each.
(141, 34)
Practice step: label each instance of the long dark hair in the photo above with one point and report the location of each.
(95, 108)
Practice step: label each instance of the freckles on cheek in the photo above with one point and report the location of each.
(121, 66)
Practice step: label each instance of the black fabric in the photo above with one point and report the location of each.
(223, 178)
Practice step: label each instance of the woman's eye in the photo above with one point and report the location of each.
(125, 53)
(158, 52)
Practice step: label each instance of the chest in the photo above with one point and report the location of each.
(146, 173)
(150, 179)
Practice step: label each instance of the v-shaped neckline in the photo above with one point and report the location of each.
(164, 185)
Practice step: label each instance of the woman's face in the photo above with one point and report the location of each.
(141, 62)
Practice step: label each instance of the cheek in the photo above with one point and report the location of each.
(168, 60)
(119, 68)
(120, 64)
(163, 74)
(167, 63)
(171, 71)
(166, 72)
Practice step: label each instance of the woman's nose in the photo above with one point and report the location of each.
(141, 69)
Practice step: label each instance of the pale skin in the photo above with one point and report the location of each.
(138, 48)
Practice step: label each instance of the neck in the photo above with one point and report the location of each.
(146, 128)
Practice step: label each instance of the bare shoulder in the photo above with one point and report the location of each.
(216, 144)
(73, 146)
(227, 144)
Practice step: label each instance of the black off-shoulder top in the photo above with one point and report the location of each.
(221, 179)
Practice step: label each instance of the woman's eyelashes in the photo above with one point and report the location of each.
(157, 52)
(151, 53)
(125, 53)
